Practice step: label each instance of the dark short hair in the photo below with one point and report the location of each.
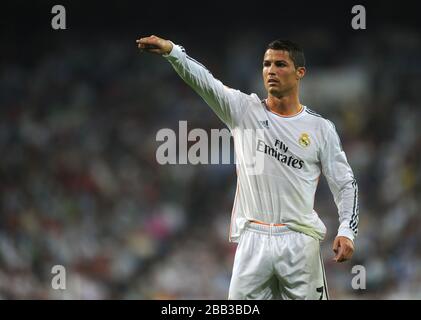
(296, 53)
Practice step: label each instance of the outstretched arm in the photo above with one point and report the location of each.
(227, 103)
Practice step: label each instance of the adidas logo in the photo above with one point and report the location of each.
(264, 123)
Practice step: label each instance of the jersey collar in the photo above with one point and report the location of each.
(294, 116)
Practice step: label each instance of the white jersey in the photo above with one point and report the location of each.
(293, 151)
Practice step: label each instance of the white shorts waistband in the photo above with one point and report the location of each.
(268, 229)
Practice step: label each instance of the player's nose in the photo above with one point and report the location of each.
(271, 70)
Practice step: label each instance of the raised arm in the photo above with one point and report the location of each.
(227, 103)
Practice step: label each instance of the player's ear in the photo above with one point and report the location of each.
(301, 71)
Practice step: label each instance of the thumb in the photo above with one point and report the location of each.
(339, 250)
(335, 245)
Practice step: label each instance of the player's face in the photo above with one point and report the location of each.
(279, 73)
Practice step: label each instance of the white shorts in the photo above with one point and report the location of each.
(274, 262)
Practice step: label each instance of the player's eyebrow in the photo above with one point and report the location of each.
(284, 61)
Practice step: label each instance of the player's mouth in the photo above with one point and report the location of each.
(272, 82)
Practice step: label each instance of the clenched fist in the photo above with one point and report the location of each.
(155, 45)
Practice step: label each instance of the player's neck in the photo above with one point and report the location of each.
(284, 106)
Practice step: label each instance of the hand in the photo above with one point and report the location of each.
(155, 45)
(343, 248)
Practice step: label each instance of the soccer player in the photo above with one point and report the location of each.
(273, 220)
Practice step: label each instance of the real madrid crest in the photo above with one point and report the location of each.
(304, 140)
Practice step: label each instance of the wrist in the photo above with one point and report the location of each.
(346, 232)
(168, 47)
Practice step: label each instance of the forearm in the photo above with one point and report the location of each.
(348, 208)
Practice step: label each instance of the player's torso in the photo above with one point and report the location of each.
(288, 145)
(281, 190)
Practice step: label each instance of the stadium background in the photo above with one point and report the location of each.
(80, 109)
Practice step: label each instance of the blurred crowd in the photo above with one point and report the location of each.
(80, 185)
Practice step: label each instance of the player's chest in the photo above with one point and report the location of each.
(287, 137)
